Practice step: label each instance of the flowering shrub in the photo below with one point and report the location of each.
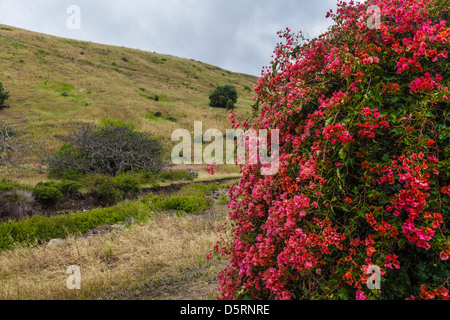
(364, 173)
(211, 168)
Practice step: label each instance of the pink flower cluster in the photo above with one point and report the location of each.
(426, 83)
(391, 261)
(429, 294)
(412, 172)
(337, 133)
(372, 124)
(211, 168)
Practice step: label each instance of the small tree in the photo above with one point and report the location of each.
(109, 149)
(4, 95)
(220, 96)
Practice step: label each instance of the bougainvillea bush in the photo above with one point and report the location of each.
(364, 180)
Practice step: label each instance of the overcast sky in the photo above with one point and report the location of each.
(237, 35)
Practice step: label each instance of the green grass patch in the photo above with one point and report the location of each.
(175, 175)
(7, 185)
(198, 189)
(86, 62)
(164, 98)
(188, 204)
(115, 122)
(153, 117)
(60, 89)
(39, 229)
(58, 86)
(223, 200)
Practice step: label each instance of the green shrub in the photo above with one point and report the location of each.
(48, 193)
(4, 95)
(151, 117)
(189, 204)
(69, 187)
(104, 187)
(113, 189)
(158, 114)
(129, 185)
(193, 173)
(6, 185)
(146, 177)
(52, 192)
(220, 96)
(172, 175)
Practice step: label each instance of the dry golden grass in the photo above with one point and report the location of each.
(105, 82)
(117, 264)
(38, 68)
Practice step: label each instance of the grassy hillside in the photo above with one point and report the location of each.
(55, 82)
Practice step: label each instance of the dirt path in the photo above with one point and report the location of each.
(177, 186)
(194, 284)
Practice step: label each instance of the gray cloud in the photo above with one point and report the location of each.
(238, 35)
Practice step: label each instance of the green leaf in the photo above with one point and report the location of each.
(342, 154)
(401, 242)
(386, 157)
(247, 297)
(328, 122)
(343, 294)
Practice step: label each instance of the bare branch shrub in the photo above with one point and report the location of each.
(11, 148)
(109, 149)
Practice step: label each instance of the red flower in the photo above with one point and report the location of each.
(391, 261)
